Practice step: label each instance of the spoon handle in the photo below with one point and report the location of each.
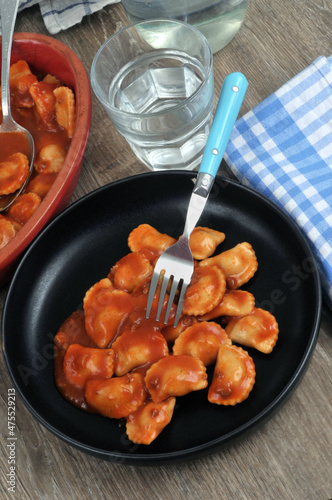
(8, 11)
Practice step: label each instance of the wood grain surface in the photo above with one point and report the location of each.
(290, 456)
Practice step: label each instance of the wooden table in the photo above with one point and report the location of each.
(290, 457)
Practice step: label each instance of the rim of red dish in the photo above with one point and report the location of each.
(60, 192)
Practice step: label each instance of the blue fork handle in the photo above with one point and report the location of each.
(228, 107)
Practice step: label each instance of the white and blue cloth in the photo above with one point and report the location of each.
(283, 149)
(63, 14)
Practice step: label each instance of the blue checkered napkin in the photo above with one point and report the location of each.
(283, 149)
(63, 14)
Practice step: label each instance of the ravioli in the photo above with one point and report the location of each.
(238, 264)
(13, 173)
(44, 101)
(233, 303)
(201, 340)
(65, 109)
(20, 81)
(24, 207)
(147, 237)
(104, 317)
(134, 348)
(203, 242)
(130, 271)
(41, 184)
(116, 397)
(81, 364)
(233, 377)
(147, 422)
(258, 329)
(50, 159)
(205, 291)
(7, 231)
(175, 376)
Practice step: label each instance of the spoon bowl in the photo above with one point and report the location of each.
(15, 138)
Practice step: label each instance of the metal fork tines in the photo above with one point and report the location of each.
(174, 268)
(176, 264)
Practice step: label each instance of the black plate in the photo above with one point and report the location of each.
(79, 247)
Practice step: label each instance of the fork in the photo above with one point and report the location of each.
(176, 264)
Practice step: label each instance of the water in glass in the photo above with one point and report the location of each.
(161, 131)
(218, 20)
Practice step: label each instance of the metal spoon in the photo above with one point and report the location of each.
(8, 10)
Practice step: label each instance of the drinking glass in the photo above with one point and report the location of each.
(218, 20)
(155, 81)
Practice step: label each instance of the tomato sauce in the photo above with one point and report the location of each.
(13, 142)
(72, 331)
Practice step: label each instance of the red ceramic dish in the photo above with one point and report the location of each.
(47, 55)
